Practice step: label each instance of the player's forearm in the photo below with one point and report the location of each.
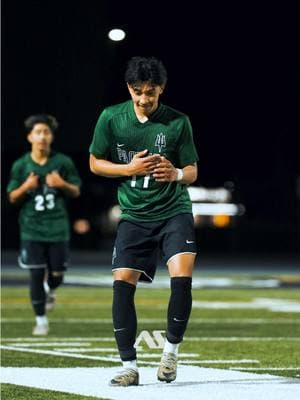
(70, 190)
(107, 168)
(190, 173)
(17, 195)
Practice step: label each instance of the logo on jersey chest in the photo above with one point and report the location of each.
(160, 141)
(126, 156)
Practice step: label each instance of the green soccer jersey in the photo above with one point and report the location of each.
(43, 215)
(119, 135)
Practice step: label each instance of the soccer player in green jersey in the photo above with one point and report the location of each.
(39, 183)
(149, 147)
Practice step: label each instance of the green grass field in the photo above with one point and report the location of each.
(252, 336)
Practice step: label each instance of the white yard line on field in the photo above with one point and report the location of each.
(193, 383)
(241, 339)
(52, 340)
(270, 304)
(51, 344)
(64, 339)
(116, 359)
(60, 353)
(162, 320)
(266, 369)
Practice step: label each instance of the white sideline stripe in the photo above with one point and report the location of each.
(85, 350)
(282, 305)
(31, 339)
(112, 358)
(241, 339)
(193, 383)
(164, 282)
(149, 356)
(63, 306)
(59, 353)
(162, 320)
(220, 362)
(51, 344)
(62, 354)
(266, 369)
(104, 350)
(186, 339)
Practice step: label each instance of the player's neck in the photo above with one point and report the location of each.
(40, 156)
(143, 117)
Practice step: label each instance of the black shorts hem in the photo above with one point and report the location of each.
(144, 277)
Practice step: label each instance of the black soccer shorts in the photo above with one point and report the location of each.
(51, 255)
(138, 244)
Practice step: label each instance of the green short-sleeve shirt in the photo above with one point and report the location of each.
(119, 135)
(43, 214)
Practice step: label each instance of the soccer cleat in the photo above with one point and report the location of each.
(167, 370)
(50, 301)
(41, 330)
(126, 377)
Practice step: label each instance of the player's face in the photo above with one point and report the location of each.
(41, 137)
(145, 97)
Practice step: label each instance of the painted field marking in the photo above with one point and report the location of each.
(266, 369)
(186, 339)
(270, 304)
(192, 383)
(241, 361)
(161, 320)
(51, 344)
(86, 350)
(60, 354)
(274, 305)
(241, 339)
(153, 340)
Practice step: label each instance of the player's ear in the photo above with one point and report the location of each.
(162, 88)
(29, 138)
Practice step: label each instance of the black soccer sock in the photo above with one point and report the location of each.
(180, 305)
(124, 319)
(54, 280)
(37, 291)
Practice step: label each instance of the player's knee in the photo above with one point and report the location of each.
(55, 279)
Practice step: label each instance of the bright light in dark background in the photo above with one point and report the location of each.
(116, 35)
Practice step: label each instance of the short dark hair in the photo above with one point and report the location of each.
(146, 69)
(40, 119)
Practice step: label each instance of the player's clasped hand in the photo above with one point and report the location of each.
(32, 182)
(164, 171)
(53, 179)
(141, 164)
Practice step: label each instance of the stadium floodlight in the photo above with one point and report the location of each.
(116, 35)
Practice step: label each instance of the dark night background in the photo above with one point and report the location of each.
(233, 68)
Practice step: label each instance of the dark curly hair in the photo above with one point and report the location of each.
(146, 69)
(41, 119)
